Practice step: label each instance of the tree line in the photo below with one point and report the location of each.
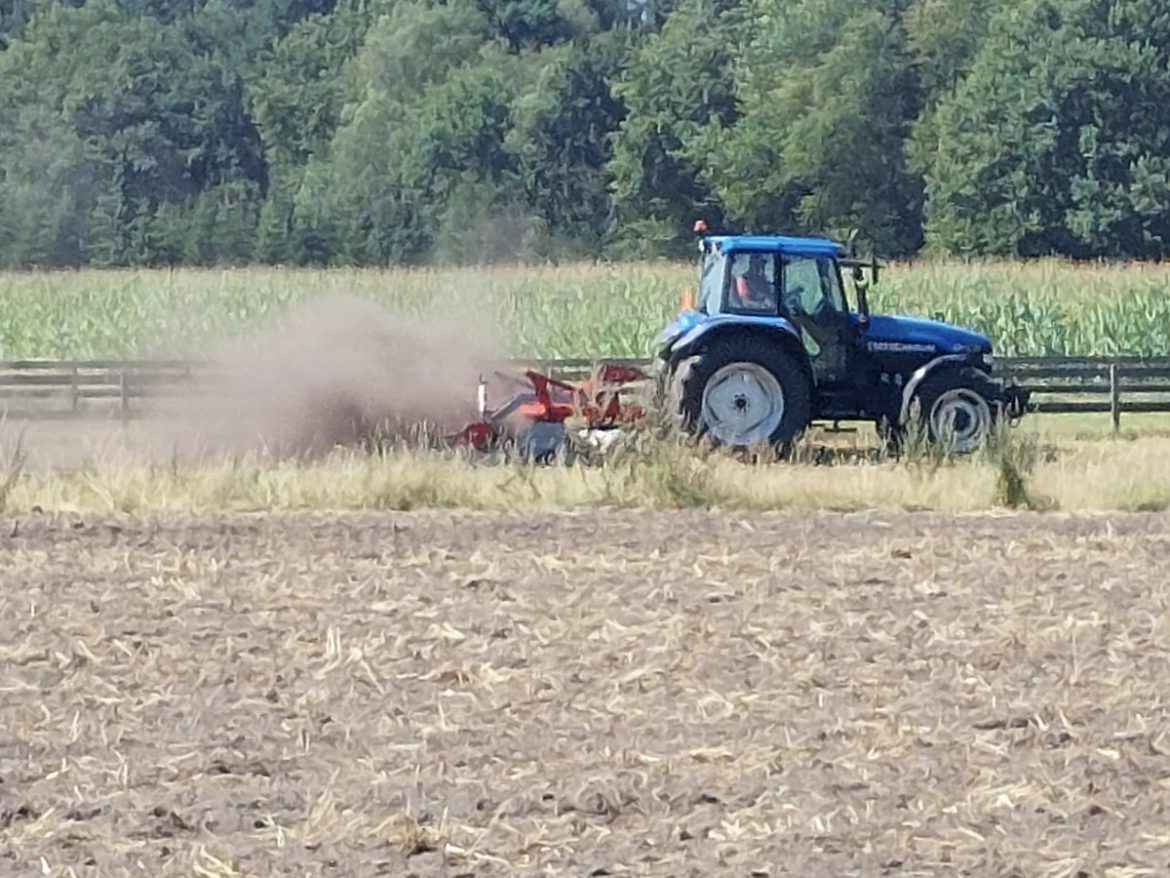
(375, 132)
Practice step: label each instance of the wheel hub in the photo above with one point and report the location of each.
(743, 404)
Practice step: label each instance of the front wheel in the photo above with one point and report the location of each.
(957, 410)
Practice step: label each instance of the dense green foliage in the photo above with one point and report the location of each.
(409, 132)
(568, 310)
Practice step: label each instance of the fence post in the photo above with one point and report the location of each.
(74, 390)
(1115, 398)
(124, 396)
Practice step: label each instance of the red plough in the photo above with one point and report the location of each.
(537, 421)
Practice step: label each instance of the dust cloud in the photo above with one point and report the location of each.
(332, 373)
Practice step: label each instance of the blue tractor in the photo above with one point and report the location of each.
(771, 344)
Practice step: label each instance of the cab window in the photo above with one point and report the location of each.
(812, 286)
(752, 284)
(711, 283)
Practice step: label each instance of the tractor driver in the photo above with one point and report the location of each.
(753, 288)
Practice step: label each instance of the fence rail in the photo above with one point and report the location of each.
(51, 389)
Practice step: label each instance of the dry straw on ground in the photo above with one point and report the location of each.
(668, 694)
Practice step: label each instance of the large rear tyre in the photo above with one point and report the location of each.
(745, 392)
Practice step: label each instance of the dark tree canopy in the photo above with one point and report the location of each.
(140, 132)
(1058, 140)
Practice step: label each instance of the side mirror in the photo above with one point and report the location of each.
(862, 286)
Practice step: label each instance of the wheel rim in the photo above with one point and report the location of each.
(961, 418)
(743, 404)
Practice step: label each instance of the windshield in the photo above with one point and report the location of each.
(711, 283)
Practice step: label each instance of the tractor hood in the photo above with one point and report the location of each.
(888, 332)
(884, 332)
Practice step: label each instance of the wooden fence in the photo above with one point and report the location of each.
(46, 389)
(1113, 385)
(74, 389)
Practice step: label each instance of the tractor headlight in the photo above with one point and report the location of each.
(989, 360)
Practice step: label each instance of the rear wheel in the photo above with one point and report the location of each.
(745, 392)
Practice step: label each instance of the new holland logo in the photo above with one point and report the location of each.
(901, 347)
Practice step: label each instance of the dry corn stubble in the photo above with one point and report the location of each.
(590, 693)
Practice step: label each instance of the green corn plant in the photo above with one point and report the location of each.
(580, 310)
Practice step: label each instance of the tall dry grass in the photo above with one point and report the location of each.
(1074, 475)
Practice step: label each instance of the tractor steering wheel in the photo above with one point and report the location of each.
(794, 299)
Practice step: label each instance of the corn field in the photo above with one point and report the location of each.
(1046, 308)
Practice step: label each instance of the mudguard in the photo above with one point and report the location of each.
(921, 374)
(690, 333)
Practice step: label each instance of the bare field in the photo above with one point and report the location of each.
(586, 694)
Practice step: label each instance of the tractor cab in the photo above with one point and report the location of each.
(773, 317)
(796, 282)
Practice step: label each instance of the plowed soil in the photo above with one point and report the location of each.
(682, 694)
